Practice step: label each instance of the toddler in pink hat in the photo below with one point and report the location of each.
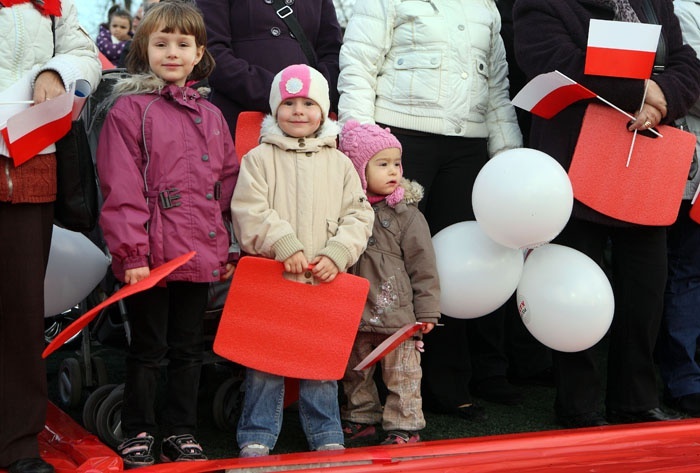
(404, 290)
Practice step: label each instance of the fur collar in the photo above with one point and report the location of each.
(412, 191)
(330, 128)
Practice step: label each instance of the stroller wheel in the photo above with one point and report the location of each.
(70, 382)
(108, 421)
(227, 404)
(92, 404)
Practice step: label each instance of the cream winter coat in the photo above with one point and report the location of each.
(436, 66)
(300, 194)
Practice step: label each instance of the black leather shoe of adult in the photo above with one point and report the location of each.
(652, 415)
(588, 419)
(30, 465)
(688, 404)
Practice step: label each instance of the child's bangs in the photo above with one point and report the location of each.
(182, 24)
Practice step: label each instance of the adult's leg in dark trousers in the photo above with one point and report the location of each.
(529, 361)
(446, 362)
(25, 241)
(639, 278)
(148, 317)
(188, 302)
(577, 374)
(450, 201)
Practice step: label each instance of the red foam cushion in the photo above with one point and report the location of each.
(288, 328)
(247, 132)
(650, 190)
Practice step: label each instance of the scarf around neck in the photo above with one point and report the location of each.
(622, 8)
(45, 7)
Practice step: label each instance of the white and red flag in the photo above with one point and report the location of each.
(550, 93)
(621, 49)
(31, 131)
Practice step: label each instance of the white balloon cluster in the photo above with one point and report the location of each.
(522, 199)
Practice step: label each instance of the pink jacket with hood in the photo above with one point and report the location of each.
(167, 169)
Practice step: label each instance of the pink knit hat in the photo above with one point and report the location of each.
(300, 80)
(361, 142)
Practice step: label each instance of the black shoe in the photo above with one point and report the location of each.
(688, 404)
(30, 465)
(497, 389)
(651, 415)
(588, 419)
(472, 412)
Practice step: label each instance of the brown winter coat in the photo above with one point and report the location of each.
(400, 264)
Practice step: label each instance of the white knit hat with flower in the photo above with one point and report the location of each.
(300, 80)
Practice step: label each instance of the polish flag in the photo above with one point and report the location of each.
(31, 131)
(550, 93)
(621, 49)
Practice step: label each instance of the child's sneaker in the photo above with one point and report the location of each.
(356, 430)
(181, 448)
(400, 437)
(330, 446)
(254, 450)
(136, 451)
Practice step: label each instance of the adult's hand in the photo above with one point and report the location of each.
(48, 85)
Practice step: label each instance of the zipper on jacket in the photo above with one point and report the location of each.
(10, 185)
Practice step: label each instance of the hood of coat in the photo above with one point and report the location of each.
(152, 84)
(329, 128)
(412, 191)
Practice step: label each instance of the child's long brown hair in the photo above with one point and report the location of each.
(170, 16)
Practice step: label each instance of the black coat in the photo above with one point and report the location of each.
(251, 44)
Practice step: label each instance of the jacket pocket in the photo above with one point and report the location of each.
(479, 89)
(417, 77)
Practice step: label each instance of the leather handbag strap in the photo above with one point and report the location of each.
(660, 58)
(285, 12)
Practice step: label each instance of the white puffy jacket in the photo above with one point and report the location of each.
(28, 37)
(436, 66)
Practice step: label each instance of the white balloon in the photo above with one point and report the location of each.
(522, 198)
(477, 275)
(564, 298)
(76, 265)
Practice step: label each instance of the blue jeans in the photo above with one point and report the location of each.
(680, 326)
(261, 419)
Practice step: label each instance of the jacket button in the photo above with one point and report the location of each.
(371, 241)
(269, 2)
(309, 153)
(460, 27)
(205, 157)
(308, 275)
(209, 196)
(386, 223)
(198, 120)
(289, 2)
(212, 234)
(215, 272)
(400, 61)
(463, 75)
(274, 31)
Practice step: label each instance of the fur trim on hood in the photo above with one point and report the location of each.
(138, 84)
(413, 192)
(329, 128)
